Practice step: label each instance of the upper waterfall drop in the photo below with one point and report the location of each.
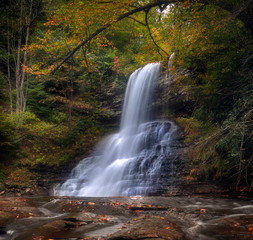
(138, 96)
(130, 161)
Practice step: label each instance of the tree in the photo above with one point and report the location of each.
(84, 22)
(20, 74)
(18, 18)
(107, 14)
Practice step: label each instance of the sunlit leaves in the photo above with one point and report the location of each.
(205, 39)
(70, 24)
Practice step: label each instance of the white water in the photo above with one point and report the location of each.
(130, 161)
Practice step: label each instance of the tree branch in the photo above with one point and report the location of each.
(119, 18)
(136, 20)
(150, 34)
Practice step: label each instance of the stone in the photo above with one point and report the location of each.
(6, 217)
(233, 227)
(153, 227)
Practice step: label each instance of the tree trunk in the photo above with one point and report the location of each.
(18, 61)
(23, 74)
(9, 71)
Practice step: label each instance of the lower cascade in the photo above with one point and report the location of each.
(132, 161)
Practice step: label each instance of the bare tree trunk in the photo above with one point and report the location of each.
(25, 96)
(23, 74)
(18, 62)
(9, 71)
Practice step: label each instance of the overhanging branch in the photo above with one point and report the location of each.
(136, 20)
(145, 8)
(150, 34)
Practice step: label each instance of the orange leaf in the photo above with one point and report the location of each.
(202, 210)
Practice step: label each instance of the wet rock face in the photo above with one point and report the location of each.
(171, 101)
(173, 167)
(172, 97)
(111, 98)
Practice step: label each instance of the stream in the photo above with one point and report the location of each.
(126, 218)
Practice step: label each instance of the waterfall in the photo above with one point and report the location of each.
(129, 162)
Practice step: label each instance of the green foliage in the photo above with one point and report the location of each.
(36, 95)
(217, 49)
(2, 176)
(57, 117)
(41, 142)
(210, 43)
(83, 126)
(2, 84)
(8, 137)
(44, 144)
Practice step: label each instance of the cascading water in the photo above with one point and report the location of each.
(130, 161)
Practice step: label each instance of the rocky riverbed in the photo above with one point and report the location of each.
(125, 218)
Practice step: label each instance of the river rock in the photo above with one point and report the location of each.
(154, 227)
(6, 217)
(240, 227)
(52, 229)
(16, 208)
